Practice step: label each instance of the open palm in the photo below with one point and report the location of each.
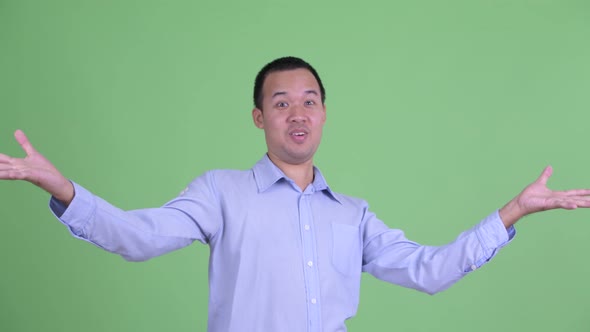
(35, 168)
(537, 197)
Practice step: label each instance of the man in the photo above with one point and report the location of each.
(286, 251)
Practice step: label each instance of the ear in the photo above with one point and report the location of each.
(324, 119)
(258, 118)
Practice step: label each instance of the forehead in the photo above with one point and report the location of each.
(293, 81)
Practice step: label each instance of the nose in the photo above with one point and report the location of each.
(297, 114)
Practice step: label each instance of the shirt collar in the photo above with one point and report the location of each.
(266, 174)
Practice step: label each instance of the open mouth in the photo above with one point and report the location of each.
(298, 134)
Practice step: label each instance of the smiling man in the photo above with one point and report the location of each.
(287, 252)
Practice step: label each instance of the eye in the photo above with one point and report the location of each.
(309, 103)
(282, 104)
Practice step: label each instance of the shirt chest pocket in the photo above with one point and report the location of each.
(346, 249)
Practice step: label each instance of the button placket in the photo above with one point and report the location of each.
(309, 260)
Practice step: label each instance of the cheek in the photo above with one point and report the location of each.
(276, 124)
(273, 130)
(320, 121)
(320, 117)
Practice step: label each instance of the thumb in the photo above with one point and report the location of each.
(545, 175)
(22, 139)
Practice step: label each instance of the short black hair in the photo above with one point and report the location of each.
(282, 64)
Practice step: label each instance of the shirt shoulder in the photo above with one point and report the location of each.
(223, 176)
(220, 180)
(350, 201)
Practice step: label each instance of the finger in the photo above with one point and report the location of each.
(4, 158)
(545, 175)
(24, 142)
(6, 167)
(574, 192)
(562, 204)
(12, 175)
(572, 203)
(582, 202)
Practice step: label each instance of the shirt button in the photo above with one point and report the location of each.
(314, 301)
(306, 227)
(473, 267)
(310, 263)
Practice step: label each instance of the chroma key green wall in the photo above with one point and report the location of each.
(439, 112)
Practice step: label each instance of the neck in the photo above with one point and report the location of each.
(302, 173)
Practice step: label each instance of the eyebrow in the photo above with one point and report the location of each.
(283, 93)
(279, 93)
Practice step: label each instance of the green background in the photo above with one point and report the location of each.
(439, 112)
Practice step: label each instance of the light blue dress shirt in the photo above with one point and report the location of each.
(281, 259)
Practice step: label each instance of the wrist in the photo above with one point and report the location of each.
(65, 193)
(511, 213)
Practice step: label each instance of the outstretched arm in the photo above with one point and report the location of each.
(537, 197)
(36, 169)
(136, 235)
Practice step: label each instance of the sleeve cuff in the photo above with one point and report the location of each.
(492, 235)
(78, 214)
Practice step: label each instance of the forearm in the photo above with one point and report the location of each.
(135, 235)
(390, 257)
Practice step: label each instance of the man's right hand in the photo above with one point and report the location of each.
(36, 169)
